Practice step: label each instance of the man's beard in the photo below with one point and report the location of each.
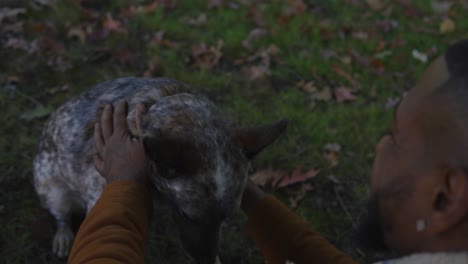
(370, 232)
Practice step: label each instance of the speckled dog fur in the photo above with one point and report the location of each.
(197, 161)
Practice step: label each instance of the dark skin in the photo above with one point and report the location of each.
(423, 150)
(119, 156)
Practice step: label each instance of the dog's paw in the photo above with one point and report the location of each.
(63, 241)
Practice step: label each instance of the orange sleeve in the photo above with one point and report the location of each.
(282, 235)
(115, 229)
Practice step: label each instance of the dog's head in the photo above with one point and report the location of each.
(199, 161)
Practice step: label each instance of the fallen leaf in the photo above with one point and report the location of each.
(422, 57)
(447, 26)
(210, 4)
(297, 176)
(338, 70)
(154, 67)
(10, 13)
(161, 40)
(361, 35)
(308, 87)
(346, 60)
(344, 94)
(256, 72)
(38, 112)
(378, 67)
(58, 89)
(327, 54)
(324, 94)
(16, 43)
(300, 195)
(441, 6)
(206, 57)
(375, 4)
(15, 28)
(52, 44)
(255, 34)
(391, 103)
(198, 21)
(59, 63)
(294, 8)
(331, 151)
(77, 32)
(266, 177)
(112, 25)
(256, 16)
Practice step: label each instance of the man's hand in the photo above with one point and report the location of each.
(119, 156)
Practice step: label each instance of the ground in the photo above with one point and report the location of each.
(335, 69)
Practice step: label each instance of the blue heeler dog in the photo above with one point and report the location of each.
(199, 161)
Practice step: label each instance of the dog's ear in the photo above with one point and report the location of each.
(253, 140)
(173, 155)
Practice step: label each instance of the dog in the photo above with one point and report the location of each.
(199, 160)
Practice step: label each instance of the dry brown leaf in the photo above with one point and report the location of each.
(256, 16)
(344, 94)
(266, 177)
(16, 43)
(112, 25)
(441, 6)
(308, 87)
(338, 70)
(77, 32)
(256, 72)
(297, 176)
(198, 21)
(159, 38)
(375, 4)
(10, 13)
(361, 35)
(154, 67)
(207, 57)
(255, 34)
(294, 8)
(331, 151)
(447, 26)
(210, 4)
(377, 66)
(324, 94)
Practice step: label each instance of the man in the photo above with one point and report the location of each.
(419, 184)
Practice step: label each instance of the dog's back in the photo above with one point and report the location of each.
(64, 175)
(198, 160)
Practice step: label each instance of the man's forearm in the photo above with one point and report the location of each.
(116, 227)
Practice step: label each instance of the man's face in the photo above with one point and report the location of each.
(399, 161)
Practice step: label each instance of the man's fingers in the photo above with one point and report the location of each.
(98, 140)
(98, 163)
(120, 116)
(106, 122)
(140, 109)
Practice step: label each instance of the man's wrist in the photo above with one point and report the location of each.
(252, 194)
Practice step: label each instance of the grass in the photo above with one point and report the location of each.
(29, 81)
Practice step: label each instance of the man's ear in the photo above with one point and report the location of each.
(449, 200)
(253, 140)
(173, 155)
